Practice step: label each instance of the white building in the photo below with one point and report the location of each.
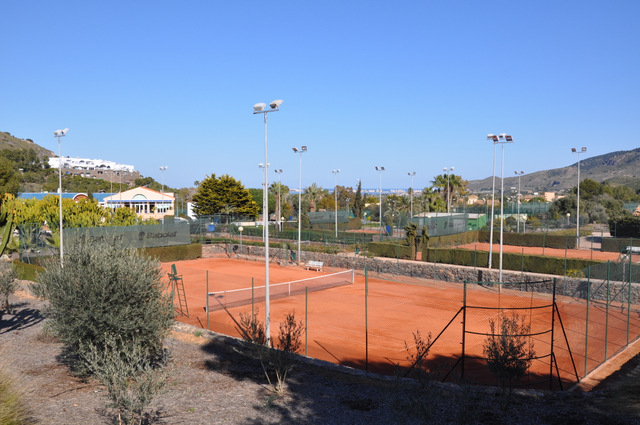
(147, 203)
(88, 164)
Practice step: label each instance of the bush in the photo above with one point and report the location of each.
(276, 363)
(509, 350)
(131, 379)
(8, 285)
(103, 291)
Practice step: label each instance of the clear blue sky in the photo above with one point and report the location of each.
(408, 85)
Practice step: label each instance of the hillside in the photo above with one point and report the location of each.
(7, 141)
(622, 167)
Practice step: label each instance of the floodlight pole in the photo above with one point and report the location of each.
(278, 221)
(380, 170)
(506, 139)
(335, 195)
(448, 171)
(299, 151)
(582, 150)
(60, 134)
(259, 108)
(494, 139)
(411, 174)
(163, 169)
(518, 221)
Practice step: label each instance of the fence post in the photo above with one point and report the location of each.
(207, 302)
(475, 259)
(606, 327)
(566, 243)
(306, 321)
(464, 329)
(586, 340)
(366, 319)
(629, 294)
(552, 358)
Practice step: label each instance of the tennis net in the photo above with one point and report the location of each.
(237, 297)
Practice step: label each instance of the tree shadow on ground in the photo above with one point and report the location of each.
(21, 318)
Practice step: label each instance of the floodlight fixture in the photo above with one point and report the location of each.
(492, 137)
(259, 107)
(275, 104)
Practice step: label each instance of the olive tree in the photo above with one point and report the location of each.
(105, 291)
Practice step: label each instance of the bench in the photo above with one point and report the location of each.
(316, 265)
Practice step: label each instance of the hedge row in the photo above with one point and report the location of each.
(625, 227)
(456, 239)
(510, 261)
(531, 239)
(327, 236)
(618, 244)
(174, 253)
(390, 250)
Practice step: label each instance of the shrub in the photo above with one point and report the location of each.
(418, 358)
(276, 363)
(8, 285)
(106, 290)
(509, 350)
(131, 379)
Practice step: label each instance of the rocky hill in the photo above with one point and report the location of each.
(622, 167)
(7, 141)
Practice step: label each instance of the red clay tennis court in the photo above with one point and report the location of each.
(345, 327)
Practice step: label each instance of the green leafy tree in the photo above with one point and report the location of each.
(9, 177)
(216, 193)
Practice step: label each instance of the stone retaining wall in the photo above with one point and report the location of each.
(618, 292)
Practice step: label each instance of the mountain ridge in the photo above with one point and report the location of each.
(620, 167)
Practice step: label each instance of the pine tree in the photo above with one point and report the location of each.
(217, 194)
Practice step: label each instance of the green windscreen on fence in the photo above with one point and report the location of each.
(140, 236)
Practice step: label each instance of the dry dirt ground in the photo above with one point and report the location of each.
(212, 383)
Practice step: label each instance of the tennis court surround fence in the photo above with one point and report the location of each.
(588, 320)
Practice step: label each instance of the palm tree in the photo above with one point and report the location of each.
(280, 191)
(428, 199)
(314, 193)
